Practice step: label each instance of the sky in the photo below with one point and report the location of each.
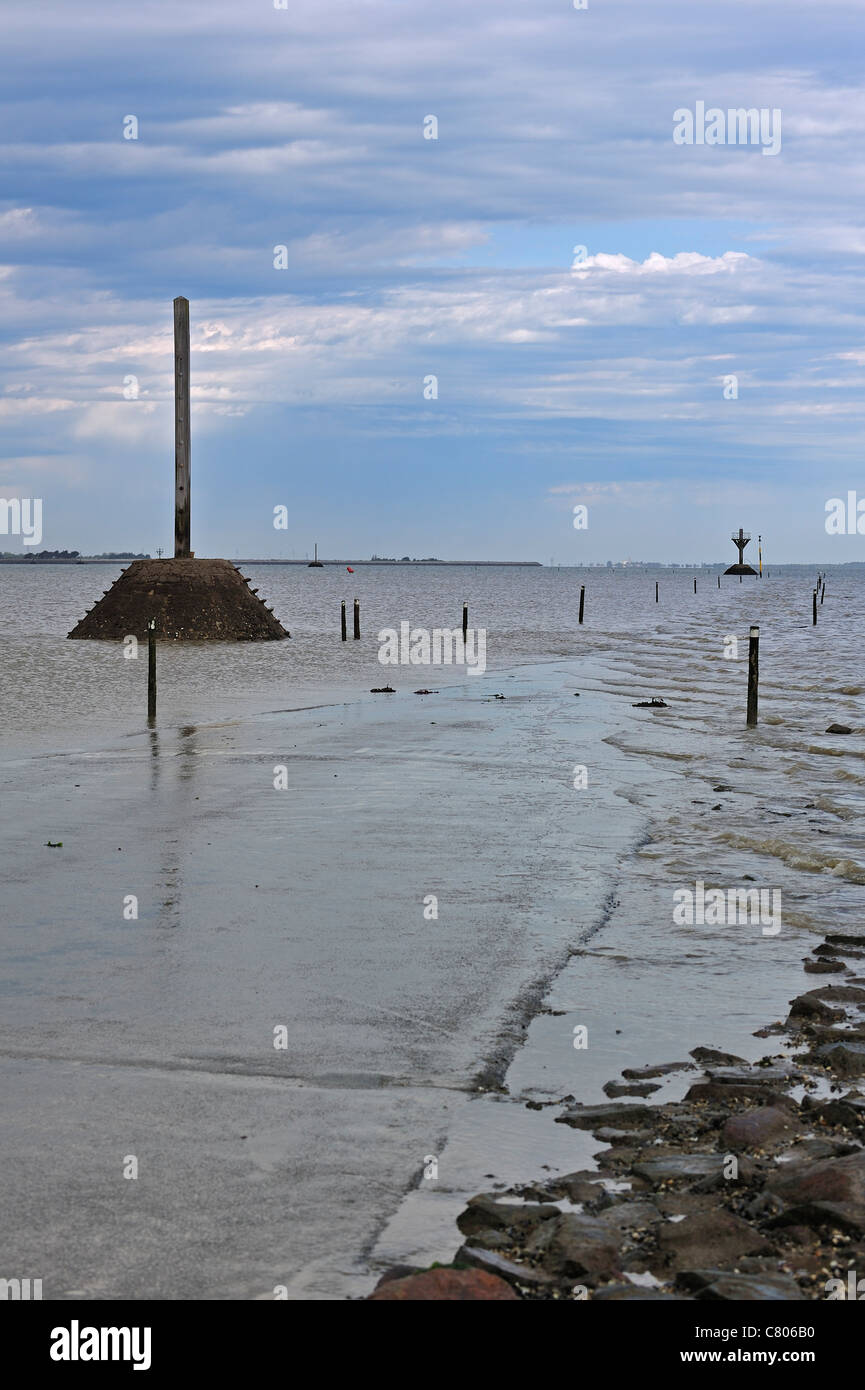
(597, 376)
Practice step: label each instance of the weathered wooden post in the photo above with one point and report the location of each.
(823, 591)
(582, 600)
(342, 621)
(814, 609)
(465, 622)
(656, 591)
(719, 581)
(357, 620)
(695, 583)
(753, 674)
(182, 534)
(151, 669)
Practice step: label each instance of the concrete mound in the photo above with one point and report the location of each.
(191, 600)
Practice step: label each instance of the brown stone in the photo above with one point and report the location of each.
(839, 1180)
(445, 1285)
(484, 1214)
(754, 1128)
(708, 1236)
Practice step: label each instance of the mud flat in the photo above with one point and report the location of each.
(749, 1188)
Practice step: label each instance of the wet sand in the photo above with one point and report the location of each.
(304, 909)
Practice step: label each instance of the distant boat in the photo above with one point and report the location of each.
(315, 564)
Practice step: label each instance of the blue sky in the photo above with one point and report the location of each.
(409, 257)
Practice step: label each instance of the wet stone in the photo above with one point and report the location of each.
(710, 1235)
(843, 1058)
(619, 1116)
(510, 1270)
(710, 1056)
(649, 1073)
(721, 1285)
(630, 1088)
(445, 1285)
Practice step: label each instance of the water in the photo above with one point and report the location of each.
(304, 909)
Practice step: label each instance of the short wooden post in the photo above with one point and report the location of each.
(814, 609)
(719, 581)
(151, 669)
(656, 591)
(823, 590)
(357, 619)
(753, 675)
(582, 600)
(342, 620)
(695, 583)
(465, 623)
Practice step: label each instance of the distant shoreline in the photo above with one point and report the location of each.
(31, 561)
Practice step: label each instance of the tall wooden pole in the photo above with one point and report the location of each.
(181, 430)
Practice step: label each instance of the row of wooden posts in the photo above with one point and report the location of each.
(753, 645)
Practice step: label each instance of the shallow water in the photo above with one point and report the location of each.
(303, 908)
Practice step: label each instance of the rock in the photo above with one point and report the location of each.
(839, 729)
(843, 1058)
(382, 690)
(680, 1168)
(649, 1073)
(630, 1088)
(398, 1272)
(710, 1056)
(445, 1285)
(484, 1214)
(654, 703)
(848, 1111)
(525, 1275)
(836, 1180)
(837, 1216)
(847, 949)
(839, 938)
(711, 1235)
(630, 1216)
(623, 1136)
(749, 1288)
(576, 1245)
(754, 1076)
(824, 967)
(632, 1293)
(590, 1116)
(755, 1128)
(727, 1093)
(580, 1187)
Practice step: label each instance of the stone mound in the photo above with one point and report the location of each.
(191, 600)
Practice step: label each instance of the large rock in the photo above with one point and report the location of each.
(575, 1246)
(680, 1168)
(843, 1058)
(747, 1288)
(708, 1237)
(838, 1182)
(445, 1285)
(522, 1275)
(622, 1116)
(755, 1128)
(484, 1214)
